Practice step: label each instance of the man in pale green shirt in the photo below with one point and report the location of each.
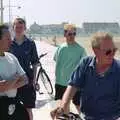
(67, 56)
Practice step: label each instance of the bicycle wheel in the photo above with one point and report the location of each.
(46, 81)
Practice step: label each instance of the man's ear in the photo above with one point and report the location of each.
(95, 50)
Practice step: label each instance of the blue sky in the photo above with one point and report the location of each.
(57, 11)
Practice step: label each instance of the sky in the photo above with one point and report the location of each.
(58, 11)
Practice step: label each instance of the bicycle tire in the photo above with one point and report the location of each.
(42, 75)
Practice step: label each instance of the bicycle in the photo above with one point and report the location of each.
(42, 75)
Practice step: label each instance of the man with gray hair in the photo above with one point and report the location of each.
(98, 79)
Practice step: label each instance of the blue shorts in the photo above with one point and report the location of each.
(27, 95)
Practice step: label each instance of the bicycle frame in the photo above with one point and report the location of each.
(41, 69)
(44, 77)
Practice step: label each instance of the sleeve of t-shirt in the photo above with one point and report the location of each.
(34, 54)
(77, 77)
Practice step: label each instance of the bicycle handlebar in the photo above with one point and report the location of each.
(70, 116)
(42, 55)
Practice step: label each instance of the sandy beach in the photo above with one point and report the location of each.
(85, 42)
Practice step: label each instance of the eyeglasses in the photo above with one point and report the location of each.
(71, 33)
(109, 51)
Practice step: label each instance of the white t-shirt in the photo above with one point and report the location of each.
(9, 68)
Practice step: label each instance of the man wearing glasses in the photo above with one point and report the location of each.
(98, 78)
(67, 57)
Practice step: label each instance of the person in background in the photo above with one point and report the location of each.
(67, 56)
(12, 77)
(25, 50)
(98, 78)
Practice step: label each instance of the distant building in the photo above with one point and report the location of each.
(87, 29)
(91, 27)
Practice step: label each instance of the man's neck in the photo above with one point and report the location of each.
(71, 42)
(19, 38)
(102, 67)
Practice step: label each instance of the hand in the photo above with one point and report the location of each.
(11, 83)
(3, 83)
(56, 112)
(16, 77)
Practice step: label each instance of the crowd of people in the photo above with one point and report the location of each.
(91, 82)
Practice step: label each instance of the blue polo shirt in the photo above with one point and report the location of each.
(100, 93)
(26, 54)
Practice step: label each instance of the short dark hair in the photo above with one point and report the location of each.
(20, 20)
(3, 29)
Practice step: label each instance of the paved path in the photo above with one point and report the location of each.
(44, 102)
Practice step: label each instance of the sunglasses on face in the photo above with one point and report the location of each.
(71, 33)
(109, 51)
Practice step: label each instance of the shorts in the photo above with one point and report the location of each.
(27, 95)
(11, 109)
(59, 91)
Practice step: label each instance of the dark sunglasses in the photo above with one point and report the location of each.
(109, 51)
(71, 33)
